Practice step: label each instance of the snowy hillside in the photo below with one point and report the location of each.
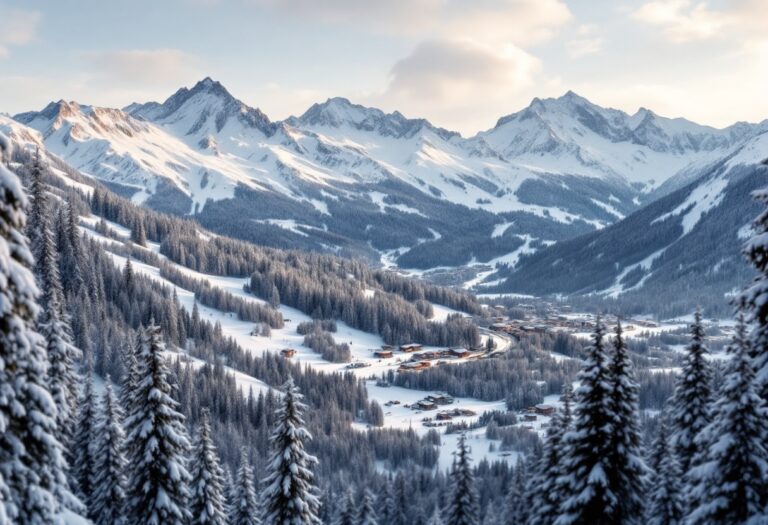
(692, 234)
(355, 180)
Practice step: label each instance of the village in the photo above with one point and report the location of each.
(557, 318)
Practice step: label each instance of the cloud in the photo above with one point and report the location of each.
(148, 67)
(17, 28)
(687, 20)
(460, 83)
(517, 21)
(585, 43)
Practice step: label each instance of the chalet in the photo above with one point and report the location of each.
(426, 356)
(544, 410)
(287, 352)
(413, 366)
(424, 405)
(459, 412)
(461, 353)
(530, 417)
(443, 416)
(411, 347)
(440, 399)
(388, 347)
(501, 327)
(383, 354)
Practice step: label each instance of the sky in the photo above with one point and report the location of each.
(461, 64)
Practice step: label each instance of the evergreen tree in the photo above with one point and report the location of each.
(33, 481)
(245, 509)
(108, 482)
(347, 514)
(692, 398)
(517, 502)
(289, 496)
(54, 325)
(546, 496)
(585, 485)
(755, 297)
(128, 275)
(83, 463)
(666, 507)
(156, 443)
(462, 508)
(628, 469)
(38, 208)
(71, 261)
(436, 518)
(367, 515)
(131, 377)
(207, 503)
(139, 233)
(730, 479)
(386, 501)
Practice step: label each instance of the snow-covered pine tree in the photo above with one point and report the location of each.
(462, 507)
(54, 325)
(245, 505)
(730, 480)
(436, 518)
(230, 491)
(755, 296)
(156, 443)
(666, 496)
(386, 503)
(68, 240)
(139, 233)
(38, 207)
(628, 470)
(367, 515)
(586, 492)
(546, 497)
(83, 464)
(290, 494)
(691, 403)
(347, 512)
(32, 467)
(517, 501)
(108, 481)
(130, 380)
(207, 499)
(128, 275)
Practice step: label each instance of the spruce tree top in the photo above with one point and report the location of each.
(290, 494)
(730, 478)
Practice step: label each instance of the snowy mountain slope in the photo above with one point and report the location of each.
(572, 135)
(360, 181)
(693, 235)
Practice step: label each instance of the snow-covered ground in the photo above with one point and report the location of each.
(361, 345)
(401, 417)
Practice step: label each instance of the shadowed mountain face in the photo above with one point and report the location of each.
(356, 180)
(683, 248)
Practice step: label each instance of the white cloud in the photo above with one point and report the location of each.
(586, 42)
(148, 67)
(518, 21)
(460, 84)
(17, 28)
(688, 20)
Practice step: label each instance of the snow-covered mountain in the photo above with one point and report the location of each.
(572, 135)
(682, 248)
(357, 180)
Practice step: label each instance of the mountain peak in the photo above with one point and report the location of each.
(336, 112)
(214, 87)
(208, 104)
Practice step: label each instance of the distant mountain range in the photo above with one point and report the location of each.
(358, 181)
